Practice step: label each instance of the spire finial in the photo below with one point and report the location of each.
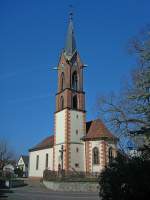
(70, 47)
(70, 12)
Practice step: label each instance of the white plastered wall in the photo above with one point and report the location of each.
(77, 157)
(60, 126)
(60, 135)
(114, 147)
(21, 163)
(42, 162)
(77, 124)
(57, 156)
(98, 167)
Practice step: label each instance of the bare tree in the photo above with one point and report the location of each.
(130, 110)
(6, 154)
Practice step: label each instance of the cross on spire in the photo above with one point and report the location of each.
(71, 13)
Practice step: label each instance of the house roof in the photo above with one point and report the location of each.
(96, 129)
(25, 159)
(46, 143)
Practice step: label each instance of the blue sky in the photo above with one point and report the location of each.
(32, 35)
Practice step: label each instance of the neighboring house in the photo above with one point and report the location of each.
(9, 168)
(76, 145)
(23, 164)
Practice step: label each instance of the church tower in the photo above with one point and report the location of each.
(69, 118)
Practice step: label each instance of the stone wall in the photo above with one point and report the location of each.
(72, 186)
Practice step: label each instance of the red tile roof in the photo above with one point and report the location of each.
(97, 130)
(46, 143)
(94, 130)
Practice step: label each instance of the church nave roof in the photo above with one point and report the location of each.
(48, 142)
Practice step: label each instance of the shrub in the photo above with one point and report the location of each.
(126, 180)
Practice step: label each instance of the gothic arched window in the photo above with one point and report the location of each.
(74, 81)
(95, 155)
(62, 102)
(110, 154)
(62, 81)
(75, 102)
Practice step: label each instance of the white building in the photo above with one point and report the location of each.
(23, 164)
(86, 146)
(9, 168)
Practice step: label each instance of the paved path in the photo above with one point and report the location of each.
(36, 191)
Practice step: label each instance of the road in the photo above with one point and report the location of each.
(36, 191)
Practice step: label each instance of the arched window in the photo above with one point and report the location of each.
(62, 81)
(95, 156)
(62, 102)
(110, 154)
(75, 102)
(74, 81)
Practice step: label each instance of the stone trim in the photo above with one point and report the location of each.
(103, 154)
(54, 142)
(41, 148)
(87, 160)
(70, 143)
(114, 152)
(67, 141)
(84, 131)
(84, 123)
(90, 157)
(70, 109)
(107, 153)
(82, 92)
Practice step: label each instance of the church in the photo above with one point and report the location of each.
(76, 145)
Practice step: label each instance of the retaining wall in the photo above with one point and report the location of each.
(72, 186)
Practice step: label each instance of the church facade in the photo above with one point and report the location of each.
(76, 145)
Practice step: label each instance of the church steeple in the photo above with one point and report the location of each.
(70, 46)
(70, 94)
(70, 107)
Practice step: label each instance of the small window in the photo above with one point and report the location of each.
(75, 102)
(76, 164)
(74, 81)
(77, 150)
(46, 161)
(37, 162)
(110, 154)
(95, 156)
(76, 132)
(77, 116)
(62, 81)
(62, 103)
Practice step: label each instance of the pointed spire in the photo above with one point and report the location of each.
(70, 47)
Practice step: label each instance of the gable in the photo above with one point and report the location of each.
(20, 161)
(96, 130)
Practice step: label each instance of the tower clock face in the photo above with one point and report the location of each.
(62, 65)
